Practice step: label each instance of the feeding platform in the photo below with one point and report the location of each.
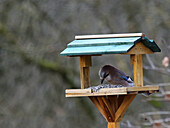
(111, 102)
(110, 91)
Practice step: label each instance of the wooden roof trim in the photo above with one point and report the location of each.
(78, 37)
(139, 48)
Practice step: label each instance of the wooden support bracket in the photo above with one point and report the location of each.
(124, 106)
(112, 107)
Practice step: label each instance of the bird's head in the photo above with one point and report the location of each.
(104, 73)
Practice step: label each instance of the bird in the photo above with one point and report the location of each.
(114, 76)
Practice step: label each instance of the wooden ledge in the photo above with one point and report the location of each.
(110, 91)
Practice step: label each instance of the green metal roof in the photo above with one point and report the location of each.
(106, 46)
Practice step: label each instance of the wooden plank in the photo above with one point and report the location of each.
(122, 90)
(140, 48)
(113, 125)
(133, 92)
(109, 107)
(120, 100)
(101, 48)
(83, 55)
(96, 103)
(144, 88)
(116, 103)
(78, 91)
(113, 102)
(85, 77)
(132, 59)
(138, 70)
(108, 91)
(123, 107)
(106, 113)
(109, 36)
(90, 94)
(85, 63)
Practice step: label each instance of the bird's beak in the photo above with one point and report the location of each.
(105, 75)
(102, 81)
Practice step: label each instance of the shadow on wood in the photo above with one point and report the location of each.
(112, 107)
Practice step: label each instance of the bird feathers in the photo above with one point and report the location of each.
(114, 76)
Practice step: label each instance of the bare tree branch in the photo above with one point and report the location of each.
(150, 61)
(157, 69)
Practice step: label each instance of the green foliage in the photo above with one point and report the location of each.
(47, 64)
(157, 104)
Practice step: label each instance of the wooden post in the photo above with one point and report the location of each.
(136, 61)
(85, 63)
(113, 125)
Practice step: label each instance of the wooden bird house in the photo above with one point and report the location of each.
(111, 102)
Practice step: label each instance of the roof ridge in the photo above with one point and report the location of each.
(109, 36)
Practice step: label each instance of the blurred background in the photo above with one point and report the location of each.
(33, 75)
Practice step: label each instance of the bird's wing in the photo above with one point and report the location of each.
(127, 78)
(121, 72)
(124, 77)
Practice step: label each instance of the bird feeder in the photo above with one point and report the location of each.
(112, 103)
